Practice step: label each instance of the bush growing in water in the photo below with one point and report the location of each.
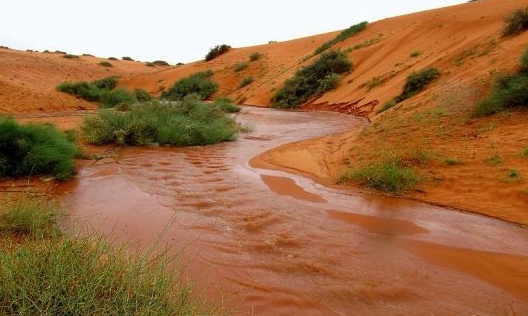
(351, 31)
(416, 82)
(217, 51)
(516, 22)
(187, 122)
(316, 78)
(35, 149)
(225, 105)
(198, 83)
(509, 92)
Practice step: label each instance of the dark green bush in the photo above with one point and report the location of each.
(255, 56)
(198, 83)
(105, 64)
(70, 56)
(112, 58)
(225, 105)
(509, 92)
(217, 51)
(417, 82)
(387, 105)
(239, 66)
(35, 149)
(142, 95)
(160, 63)
(83, 90)
(316, 78)
(351, 31)
(187, 122)
(246, 81)
(116, 97)
(516, 22)
(150, 64)
(106, 84)
(127, 58)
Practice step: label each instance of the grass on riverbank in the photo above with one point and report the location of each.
(183, 123)
(46, 273)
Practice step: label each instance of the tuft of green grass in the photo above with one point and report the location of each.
(35, 149)
(115, 97)
(390, 175)
(345, 34)
(89, 91)
(387, 105)
(524, 153)
(70, 56)
(451, 161)
(112, 58)
(494, 160)
(516, 22)
(374, 82)
(255, 56)
(141, 95)
(188, 122)
(161, 63)
(416, 82)
(46, 273)
(416, 53)
(198, 83)
(217, 51)
(246, 81)
(127, 58)
(513, 175)
(239, 66)
(105, 64)
(315, 79)
(225, 105)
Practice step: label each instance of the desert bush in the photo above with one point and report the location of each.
(255, 56)
(416, 82)
(516, 22)
(69, 56)
(416, 53)
(105, 64)
(387, 105)
(112, 58)
(82, 89)
(127, 58)
(390, 175)
(117, 97)
(311, 80)
(198, 83)
(150, 64)
(225, 105)
(246, 81)
(142, 95)
(509, 92)
(351, 31)
(217, 51)
(187, 122)
(35, 149)
(239, 66)
(107, 83)
(160, 63)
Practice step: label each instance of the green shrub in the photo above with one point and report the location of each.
(509, 93)
(390, 176)
(117, 97)
(160, 63)
(187, 122)
(246, 81)
(112, 58)
(417, 82)
(351, 31)
(198, 83)
(44, 273)
(127, 58)
(150, 64)
(225, 105)
(83, 90)
(142, 95)
(35, 149)
(239, 66)
(106, 84)
(387, 105)
(105, 64)
(255, 56)
(70, 56)
(524, 62)
(524, 153)
(452, 161)
(313, 79)
(217, 51)
(416, 53)
(516, 22)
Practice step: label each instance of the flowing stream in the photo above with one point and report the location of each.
(271, 243)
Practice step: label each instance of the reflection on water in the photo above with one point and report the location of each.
(288, 246)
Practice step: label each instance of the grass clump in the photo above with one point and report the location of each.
(187, 122)
(112, 58)
(494, 160)
(198, 83)
(105, 64)
(314, 79)
(351, 31)
(416, 54)
(387, 105)
(246, 81)
(225, 105)
(509, 92)
(516, 22)
(217, 51)
(239, 66)
(390, 175)
(70, 56)
(255, 56)
(49, 274)
(35, 149)
(416, 82)
(142, 95)
(127, 58)
(524, 153)
(118, 96)
(451, 161)
(161, 63)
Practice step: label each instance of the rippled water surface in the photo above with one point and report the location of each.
(272, 243)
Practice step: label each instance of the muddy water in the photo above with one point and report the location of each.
(271, 243)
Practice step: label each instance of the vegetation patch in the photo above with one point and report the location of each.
(246, 81)
(45, 273)
(494, 160)
(387, 105)
(255, 56)
(345, 34)
(451, 161)
(127, 58)
(198, 83)
(105, 64)
(416, 82)
(225, 105)
(35, 149)
(524, 153)
(390, 175)
(217, 51)
(509, 92)
(314, 79)
(112, 58)
(70, 56)
(239, 66)
(187, 122)
(161, 63)
(416, 53)
(516, 22)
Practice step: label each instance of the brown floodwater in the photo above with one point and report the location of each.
(271, 243)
